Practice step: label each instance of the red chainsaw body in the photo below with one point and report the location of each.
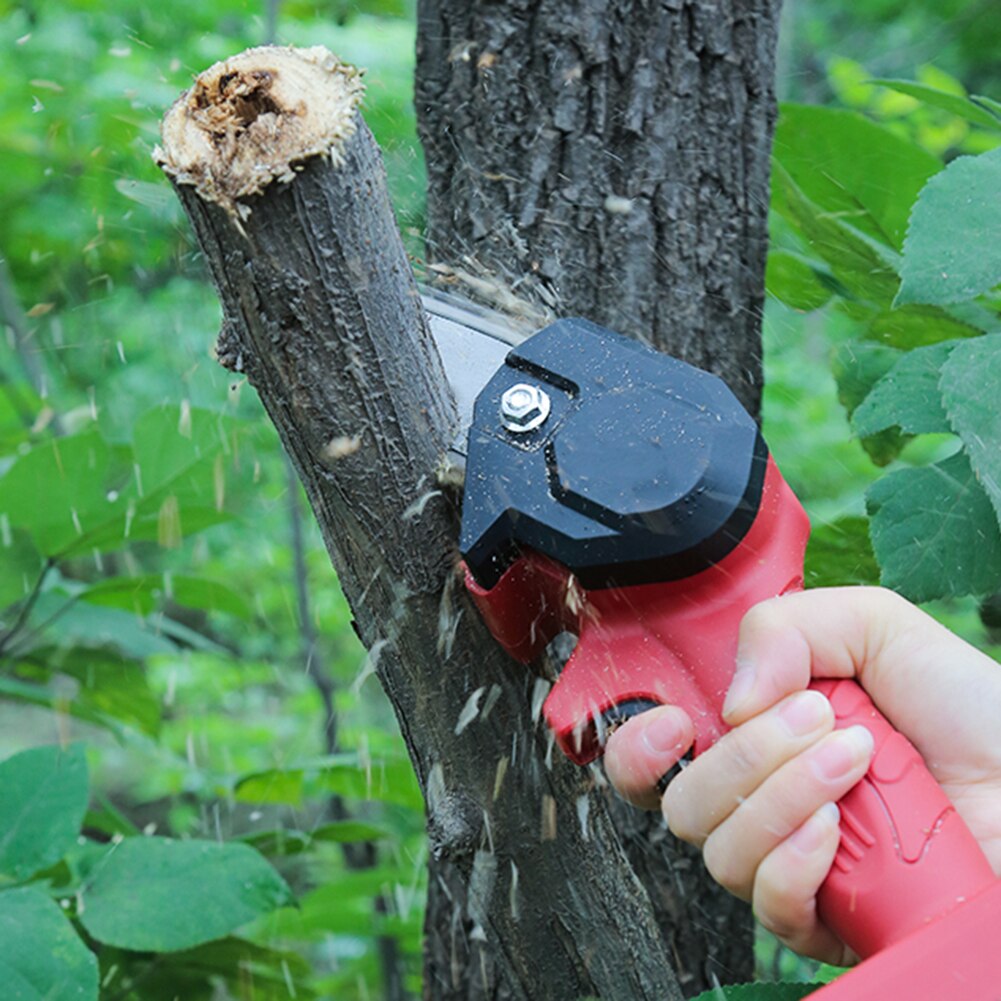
(905, 857)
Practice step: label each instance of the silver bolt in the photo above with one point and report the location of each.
(524, 407)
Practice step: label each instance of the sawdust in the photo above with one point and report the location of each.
(255, 118)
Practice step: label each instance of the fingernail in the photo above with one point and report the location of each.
(663, 733)
(804, 712)
(740, 687)
(816, 830)
(842, 753)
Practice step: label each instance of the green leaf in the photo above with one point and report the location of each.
(827, 972)
(108, 686)
(765, 991)
(994, 107)
(41, 956)
(795, 282)
(282, 842)
(79, 493)
(971, 392)
(106, 689)
(915, 326)
(148, 522)
(147, 593)
(19, 409)
(21, 565)
(200, 974)
(62, 491)
(952, 252)
(175, 448)
(866, 269)
(92, 626)
(955, 104)
(857, 366)
(839, 553)
(45, 792)
(934, 531)
(153, 894)
(388, 781)
(840, 160)
(908, 396)
(342, 905)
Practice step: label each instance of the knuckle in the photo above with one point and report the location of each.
(764, 610)
(775, 906)
(775, 922)
(723, 865)
(679, 818)
(746, 757)
(881, 602)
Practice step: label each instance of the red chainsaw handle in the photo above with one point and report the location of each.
(905, 856)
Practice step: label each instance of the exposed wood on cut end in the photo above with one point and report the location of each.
(249, 120)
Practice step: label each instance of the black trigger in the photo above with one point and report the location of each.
(614, 717)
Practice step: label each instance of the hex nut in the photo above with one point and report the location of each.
(524, 407)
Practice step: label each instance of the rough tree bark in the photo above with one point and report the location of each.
(284, 187)
(610, 158)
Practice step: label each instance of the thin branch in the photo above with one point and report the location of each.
(356, 855)
(322, 314)
(42, 626)
(10, 636)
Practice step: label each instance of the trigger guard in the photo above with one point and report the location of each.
(621, 712)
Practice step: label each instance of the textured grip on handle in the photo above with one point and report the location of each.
(905, 857)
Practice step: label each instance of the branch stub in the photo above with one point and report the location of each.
(248, 120)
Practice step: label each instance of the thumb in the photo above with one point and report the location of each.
(935, 688)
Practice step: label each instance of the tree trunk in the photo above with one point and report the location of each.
(610, 158)
(284, 188)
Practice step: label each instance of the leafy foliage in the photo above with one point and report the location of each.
(934, 532)
(969, 393)
(150, 633)
(193, 892)
(45, 798)
(907, 396)
(914, 305)
(149, 598)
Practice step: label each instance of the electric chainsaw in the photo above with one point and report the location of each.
(628, 498)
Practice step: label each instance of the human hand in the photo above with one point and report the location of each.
(760, 802)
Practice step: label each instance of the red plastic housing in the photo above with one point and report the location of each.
(905, 857)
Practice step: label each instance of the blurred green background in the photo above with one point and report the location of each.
(201, 658)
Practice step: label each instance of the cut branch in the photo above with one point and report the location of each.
(321, 312)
